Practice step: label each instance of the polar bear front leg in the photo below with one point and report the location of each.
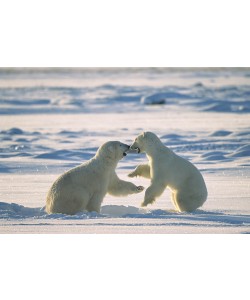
(118, 187)
(95, 203)
(141, 170)
(152, 192)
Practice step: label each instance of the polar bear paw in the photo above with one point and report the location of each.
(144, 204)
(139, 189)
(132, 174)
(147, 201)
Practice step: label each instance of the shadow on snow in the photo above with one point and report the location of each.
(13, 211)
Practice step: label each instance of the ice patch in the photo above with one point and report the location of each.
(66, 155)
(120, 210)
(243, 151)
(16, 211)
(171, 136)
(162, 98)
(12, 212)
(213, 155)
(114, 98)
(221, 133)
(157, 99)
(13, 131)
(227, 106)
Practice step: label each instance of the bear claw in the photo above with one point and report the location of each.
(140, 188)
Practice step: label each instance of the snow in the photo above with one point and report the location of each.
(51, 121)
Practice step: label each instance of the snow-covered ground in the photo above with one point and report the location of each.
(52, 120)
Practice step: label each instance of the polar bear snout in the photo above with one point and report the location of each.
(134, 148)
(137, 149)
(125, 148)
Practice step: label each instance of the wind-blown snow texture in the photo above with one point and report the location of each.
(52, 120)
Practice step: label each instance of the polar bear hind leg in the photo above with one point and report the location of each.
(69, 203)
(175, 203)
(187, 203)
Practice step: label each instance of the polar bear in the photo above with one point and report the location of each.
(166, 169)
(84, 187)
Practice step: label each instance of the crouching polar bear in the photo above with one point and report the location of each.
(166, 169)
(84, 187)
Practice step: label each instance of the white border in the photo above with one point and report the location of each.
(124, 34)
(124, 266)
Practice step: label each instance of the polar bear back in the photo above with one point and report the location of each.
(87, 175)
(177, 172)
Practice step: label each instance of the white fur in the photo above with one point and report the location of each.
(84, 187)
(166, 169)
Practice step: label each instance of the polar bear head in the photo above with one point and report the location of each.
(144, 141)
(113, 150)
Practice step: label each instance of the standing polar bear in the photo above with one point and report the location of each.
(166, 169)
(84, 187)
